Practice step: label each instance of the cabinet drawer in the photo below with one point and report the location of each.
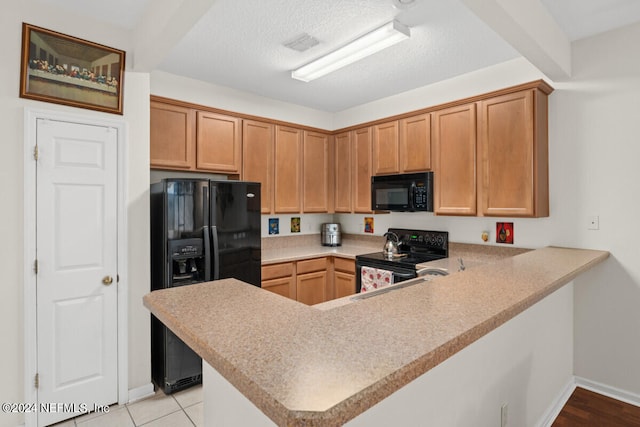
(346, 265)
(275, 271)
(307, 266)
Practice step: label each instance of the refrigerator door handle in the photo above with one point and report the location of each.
(207, 253)
(216, 258)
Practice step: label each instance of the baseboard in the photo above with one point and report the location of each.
(612, 392)
(558, 403)
(141, 392)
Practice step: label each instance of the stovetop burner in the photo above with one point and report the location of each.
(415, 247)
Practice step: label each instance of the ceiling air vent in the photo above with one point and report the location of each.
(302, 42)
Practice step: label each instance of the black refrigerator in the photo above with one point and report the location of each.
(201, 230)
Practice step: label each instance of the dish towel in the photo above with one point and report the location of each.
(374, 278)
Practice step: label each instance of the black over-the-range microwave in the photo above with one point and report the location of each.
(403, 192)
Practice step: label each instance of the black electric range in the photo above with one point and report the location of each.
(415, 247)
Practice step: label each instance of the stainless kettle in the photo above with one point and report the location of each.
(390, 248)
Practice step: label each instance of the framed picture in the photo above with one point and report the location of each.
(504, 232)
(274, 226)
(295, 224)
(65, 70)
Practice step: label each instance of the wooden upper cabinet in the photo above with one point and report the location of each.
(219, 147)
(385, 148)
(172, 143)
(257, 159)
(514, 152)
(343, 172)
(287, 170)
(362, 169)
(455, 161)
(316, 172)
(415, 144)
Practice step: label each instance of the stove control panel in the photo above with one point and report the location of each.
(422, 239)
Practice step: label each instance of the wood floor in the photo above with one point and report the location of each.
(586, 408)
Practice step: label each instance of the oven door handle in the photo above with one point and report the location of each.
(404, 275)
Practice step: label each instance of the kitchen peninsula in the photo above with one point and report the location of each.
(388, 357)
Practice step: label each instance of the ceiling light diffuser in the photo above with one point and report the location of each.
(378, 39)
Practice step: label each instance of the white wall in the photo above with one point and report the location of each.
(511, 365)
(197, 92)
(598, 120)
(136, 93)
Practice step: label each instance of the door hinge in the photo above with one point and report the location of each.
(36, 267)
(36, 381)
(36, 153)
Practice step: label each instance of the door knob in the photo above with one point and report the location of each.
(107, 280)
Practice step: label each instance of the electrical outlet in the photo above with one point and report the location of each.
(593, 223)
(504, 411)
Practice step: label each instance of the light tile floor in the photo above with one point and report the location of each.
(181, 409)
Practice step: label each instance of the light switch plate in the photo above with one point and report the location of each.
(594, 223)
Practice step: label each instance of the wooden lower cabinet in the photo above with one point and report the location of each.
(344, 277)
(311, 287)
(311, 281)
(280, 279)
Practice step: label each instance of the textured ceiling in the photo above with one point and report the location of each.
(583, 18)
(239, 43)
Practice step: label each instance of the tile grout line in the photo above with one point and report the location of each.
(126, 406)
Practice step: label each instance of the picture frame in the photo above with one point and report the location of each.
(66, 70)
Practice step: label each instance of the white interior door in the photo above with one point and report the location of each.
(76, 238)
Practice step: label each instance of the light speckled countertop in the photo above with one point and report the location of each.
(304, 366)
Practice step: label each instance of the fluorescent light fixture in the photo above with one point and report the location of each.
(378, 39)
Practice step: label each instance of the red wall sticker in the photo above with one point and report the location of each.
(504, 232)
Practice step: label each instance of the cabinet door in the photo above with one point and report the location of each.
(343, 173)
(284, 286)
(311, 287)
(172, 144)
(455, 161)
(415, 144)
(385, 148)
(288, 170)
(362, 168)
(257, 159)
(345, 284)
(509, 171)
(219, 143)
(316, 168)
